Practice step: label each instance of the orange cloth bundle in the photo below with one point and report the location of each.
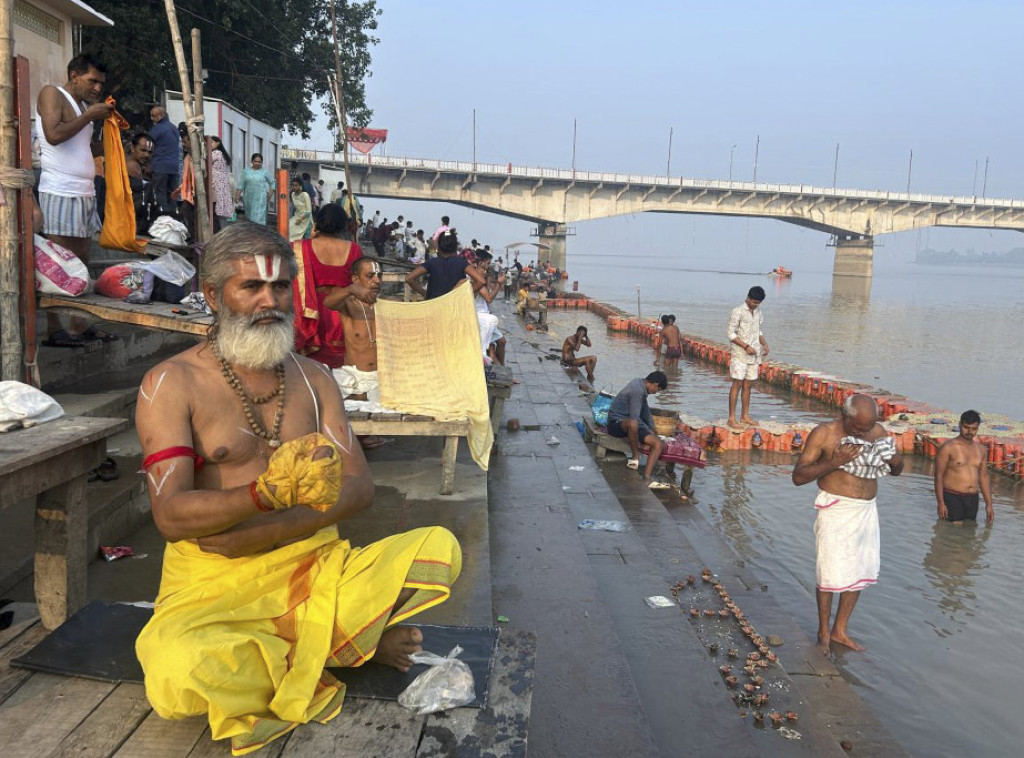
(118, 231)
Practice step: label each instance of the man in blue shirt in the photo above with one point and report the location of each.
(164, 162)
(630, 417)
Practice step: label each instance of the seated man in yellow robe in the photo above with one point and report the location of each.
(251, 465)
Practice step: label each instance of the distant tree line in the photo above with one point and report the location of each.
(269, 58)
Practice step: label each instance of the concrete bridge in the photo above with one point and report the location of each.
(554, 198)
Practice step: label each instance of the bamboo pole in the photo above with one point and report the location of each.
(10, 319)
(195, 133)
(339, 109)
(200, 110)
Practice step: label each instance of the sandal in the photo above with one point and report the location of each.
(633, 463)
(61, 338)
(106, 471)
(371, 443)
(93, 334)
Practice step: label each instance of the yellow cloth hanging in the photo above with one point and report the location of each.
(245, 641)
(429, 362)
(118, 231)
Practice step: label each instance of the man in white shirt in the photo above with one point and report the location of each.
(748, 349)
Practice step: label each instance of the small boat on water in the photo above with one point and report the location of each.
(781, 273)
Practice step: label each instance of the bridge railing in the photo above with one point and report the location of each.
(595, 177)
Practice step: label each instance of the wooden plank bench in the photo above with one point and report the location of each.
(409, 425)
(499, 389)
(51, 463)
(153, 316)
(44, 714)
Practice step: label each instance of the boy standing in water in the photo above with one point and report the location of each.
(749, 348)
(960, 472)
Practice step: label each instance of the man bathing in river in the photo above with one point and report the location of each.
(672, 339)
(749, 348)
(573, 343)
(846, 458)
(251, 466)
(960, 472)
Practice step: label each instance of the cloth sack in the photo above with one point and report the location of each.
(58, 270)
(169, 230)
(121, 280)
(22, 406)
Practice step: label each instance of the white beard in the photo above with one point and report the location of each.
(252, 346)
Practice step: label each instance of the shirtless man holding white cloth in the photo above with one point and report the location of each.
(847, 458)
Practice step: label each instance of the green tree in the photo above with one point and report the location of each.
(269, 58)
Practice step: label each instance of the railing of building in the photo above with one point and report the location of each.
(595, 177)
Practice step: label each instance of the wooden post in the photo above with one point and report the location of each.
(195, 127)
(283, 188)
(10, 319)
(339, 109)
(23, 112)
(200, 106)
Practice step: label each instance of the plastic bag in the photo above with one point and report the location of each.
(58, 270)
(600, 407)
(448, 683)
(170, 267)
(23, 406)
(121, 280)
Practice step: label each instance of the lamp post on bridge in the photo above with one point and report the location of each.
(731, 151)
(910, 169)
(668, 165)
(757, 151)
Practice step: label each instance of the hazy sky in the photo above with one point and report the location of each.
(878, 78)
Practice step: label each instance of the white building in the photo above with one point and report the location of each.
(241, 134)
(46, 32)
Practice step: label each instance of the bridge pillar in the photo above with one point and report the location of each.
(553, 235)
(855, 256)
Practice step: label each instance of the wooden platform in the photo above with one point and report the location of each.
(152, 316)
(49, 715)
(408, 425)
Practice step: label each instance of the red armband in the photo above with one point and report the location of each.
(181, 451)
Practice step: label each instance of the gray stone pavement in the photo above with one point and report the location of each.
(668, 696)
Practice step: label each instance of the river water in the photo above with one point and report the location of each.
(942, 626)
(945, 335)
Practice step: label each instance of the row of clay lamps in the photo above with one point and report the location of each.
(756, 660)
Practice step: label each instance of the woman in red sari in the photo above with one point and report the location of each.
(325, 269)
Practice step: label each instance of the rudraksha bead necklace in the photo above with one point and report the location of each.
(273, 438)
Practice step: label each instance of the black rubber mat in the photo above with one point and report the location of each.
(98, 642)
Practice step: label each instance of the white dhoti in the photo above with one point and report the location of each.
(488, 326)
(847, 542)
(352, 381)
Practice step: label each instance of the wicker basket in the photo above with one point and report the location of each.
(665, 426)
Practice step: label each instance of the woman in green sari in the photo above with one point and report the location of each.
(256, 190)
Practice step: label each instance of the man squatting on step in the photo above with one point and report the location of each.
(847, 458)
(251, 466)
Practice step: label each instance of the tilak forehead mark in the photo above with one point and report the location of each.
(268, 266)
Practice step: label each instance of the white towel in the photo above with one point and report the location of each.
(873, 462)
(847, 542)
